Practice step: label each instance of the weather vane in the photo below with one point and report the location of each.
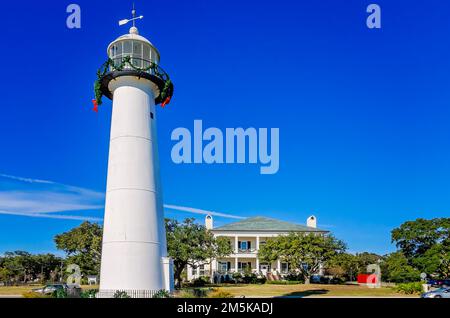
(133, 12)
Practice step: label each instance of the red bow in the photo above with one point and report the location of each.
(166, 101)
(94, 102)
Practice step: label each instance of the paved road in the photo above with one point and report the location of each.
(11, 296)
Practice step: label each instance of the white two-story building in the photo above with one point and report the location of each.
(246, 237)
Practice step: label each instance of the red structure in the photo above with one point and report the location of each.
(367, 279)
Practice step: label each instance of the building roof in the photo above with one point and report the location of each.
(264, 224)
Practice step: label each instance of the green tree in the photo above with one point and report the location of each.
(83, 247)
(395, 268)
(20, 266)
(366, 258)
(306, 253)
(4, 274)
(46, 265)
(344, 265)
(189, 243)
(425, 244)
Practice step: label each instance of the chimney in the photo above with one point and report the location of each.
(311, 221)
(209, 222)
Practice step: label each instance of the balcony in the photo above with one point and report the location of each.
(246, 252)
(134, 66)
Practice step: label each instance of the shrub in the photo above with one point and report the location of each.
(237, 277)
(194, 293)
(337, 280)
(261, 280)
(249, 278)
(186, 294)
(90, 293)
(200, 282)
(121, 294)
(35, 295)
(162, 294)
(293, 276)
(220, 294)
(59, 293)
(409, 288)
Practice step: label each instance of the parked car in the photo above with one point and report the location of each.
(50, 288)
(437, 293)
(439, 282)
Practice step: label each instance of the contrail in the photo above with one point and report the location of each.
(29, 180)
(38, 204)
(199, 211)
(54, 216)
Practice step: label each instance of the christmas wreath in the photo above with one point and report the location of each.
(165, 94)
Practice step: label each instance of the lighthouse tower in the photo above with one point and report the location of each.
(134, 252)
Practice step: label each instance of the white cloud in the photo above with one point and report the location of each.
(54, 216)
(39, 198)
(42, 198)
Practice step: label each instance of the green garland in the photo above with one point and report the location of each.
(126, 61)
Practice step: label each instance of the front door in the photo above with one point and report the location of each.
(264, 268)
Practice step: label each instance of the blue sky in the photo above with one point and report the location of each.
(363, 114)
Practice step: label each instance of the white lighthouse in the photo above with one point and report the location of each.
(134, 252)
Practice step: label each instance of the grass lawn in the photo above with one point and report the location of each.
(312, 290)
(15, 290)
(19, 290)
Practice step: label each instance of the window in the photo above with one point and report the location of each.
(244, 265)
(119, 50)
(284, 267)
(146, 55)
(202, 270)
(127, 47)
(244, 245)
(113, 51)
(137, 49)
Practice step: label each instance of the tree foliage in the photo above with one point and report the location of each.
(395, 268)
(189, 243)
(305, 253)
(425, 244)
(23, 267)
(83, 247)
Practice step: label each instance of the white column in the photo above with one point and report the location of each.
(236, 249)
(235, 264)
(189, 272)
(278, 266)
(213, 270)
(257, 250)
